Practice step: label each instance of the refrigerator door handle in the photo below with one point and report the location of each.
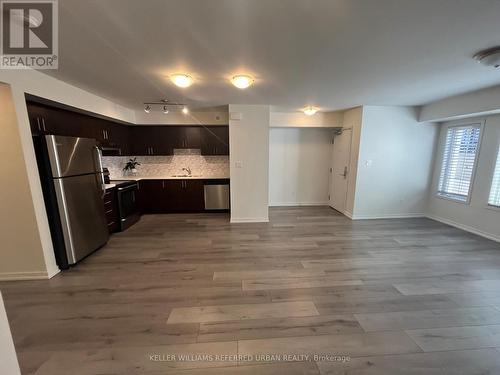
(100, 176)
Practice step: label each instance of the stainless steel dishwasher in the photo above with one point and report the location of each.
(216, 196)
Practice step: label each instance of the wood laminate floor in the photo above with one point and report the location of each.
(311, 292)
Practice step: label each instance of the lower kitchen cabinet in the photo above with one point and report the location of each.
(111, 210)
(153, 196)
(185, 195)
(169, 196)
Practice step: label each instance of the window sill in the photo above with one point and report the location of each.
(493, 208)
(452, 199)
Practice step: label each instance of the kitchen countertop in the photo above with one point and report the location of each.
(137, 178)
(109, 186)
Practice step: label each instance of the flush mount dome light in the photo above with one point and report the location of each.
(310, 111)
(185, 110)
(489, 57)
(242, 81)
(181, 80)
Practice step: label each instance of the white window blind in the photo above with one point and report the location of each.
(459, 159)
(495, 185)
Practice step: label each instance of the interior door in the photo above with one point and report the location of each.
(340, 169)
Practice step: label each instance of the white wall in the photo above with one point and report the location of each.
(395, 163)
(300, 120)
(475, 216)
(36, 83)
(178, 118)
(8, 357)
(249, 163)
(477, 103)
(353, 119)
(20, 253)
(299, 163)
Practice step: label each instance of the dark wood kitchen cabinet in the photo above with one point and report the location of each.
(183, 137)
(168, 196)
(116, 138)
(110, 135)
(185, 195)
(153, 196)
(111, 210)
(150, 140)
(47, 120)
(215, 140)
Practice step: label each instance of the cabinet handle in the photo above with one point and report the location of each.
(38, 123)
(163, 184)
(43, 123)
(152, 151)
(107, 134)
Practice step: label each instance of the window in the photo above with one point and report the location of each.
(495, 185)
(459, 159)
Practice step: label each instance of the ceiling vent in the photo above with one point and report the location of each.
(489, 57)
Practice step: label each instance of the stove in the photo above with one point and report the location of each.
(128, 202)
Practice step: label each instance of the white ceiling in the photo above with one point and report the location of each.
(332, 53)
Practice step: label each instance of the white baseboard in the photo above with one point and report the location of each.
(348, 214)
(298, 204)
(52, 272)
(384, 216)
(11, 276)
(464, 227)
(250, 220)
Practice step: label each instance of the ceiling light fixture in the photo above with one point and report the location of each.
(147, 108)
(181, 80)
(242, 81)
(310, 111)
(165, 109)
(489, 57)
(185, 110)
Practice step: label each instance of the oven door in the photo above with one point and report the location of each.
(128, 206)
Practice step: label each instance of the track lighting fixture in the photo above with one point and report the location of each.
(165, 106)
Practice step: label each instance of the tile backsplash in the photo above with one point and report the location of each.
(162, 166)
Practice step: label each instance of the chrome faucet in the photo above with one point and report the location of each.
(188, 170)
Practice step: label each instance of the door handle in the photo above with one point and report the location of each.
(345, 172)
(101, 175)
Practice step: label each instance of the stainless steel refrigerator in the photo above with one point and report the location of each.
(78, 190)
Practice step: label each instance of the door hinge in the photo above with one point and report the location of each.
(328, 196)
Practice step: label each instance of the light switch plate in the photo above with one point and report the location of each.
(236, 116)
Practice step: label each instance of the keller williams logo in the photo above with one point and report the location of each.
(29, 34)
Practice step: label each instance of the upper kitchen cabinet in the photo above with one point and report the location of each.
(215, 140)
(150, 140)
(112, 137)
(48, 120)
(184, 136)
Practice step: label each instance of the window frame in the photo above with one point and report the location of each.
(477, 124)
(488, 205)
